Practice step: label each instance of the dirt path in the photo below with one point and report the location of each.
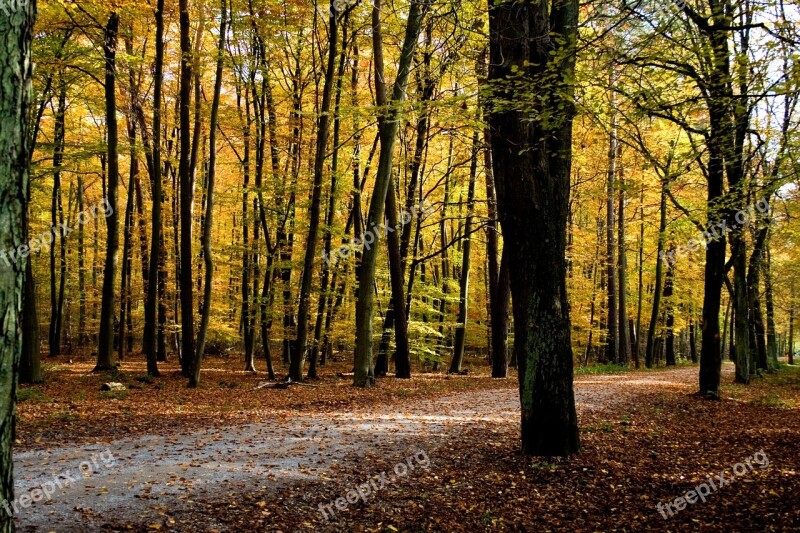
(136, 479)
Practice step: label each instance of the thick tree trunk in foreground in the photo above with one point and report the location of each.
(16, 26)
(532, 163)
(105, 352)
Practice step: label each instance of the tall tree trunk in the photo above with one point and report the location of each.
(532, 163)
(56, 218)
(757, 340)
(791, 333)
(323, 129)
(661, 258)
(499, 288)
(247, 312)
(187, 194)
(105, 352)
(637, 342)
(127, 230)
(625, 339)
(444, 337)
(388, 128)
(30, 367)
(461, 327)
(396, 274)
(209, 217)
(669, 283)
(152, 324)
(324, 296)
(772, 342)
(612, 339)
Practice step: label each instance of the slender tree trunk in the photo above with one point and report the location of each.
(324, 296)
(187, 195)
(625, 339)
(209, 218)
(402, 355)
(388, 128)
(637, 344)
(612, 339)
(772, 342)
(105, 352)
(56, 217)
(461, 327)
(791, 334)
(153, 333)
(757, 337)
(444, 337)
(323, 130)
(661, 258)
(246, 244)
(670, 313)
(127, 227)
(499, 288)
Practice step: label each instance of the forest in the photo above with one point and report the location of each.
(504, 251)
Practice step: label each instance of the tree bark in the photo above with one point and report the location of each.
(186, 180)
(624, 353)
(56, 218)
(402, 356)
(297, 359)
(612, 338)
(209, 221)
(461, 327)
(772, 342)
(388, 127)
(791, 334)
(669, 283)
(152, 325)
(105, 352)
(649, 355)
(532, 163)
(16, 24)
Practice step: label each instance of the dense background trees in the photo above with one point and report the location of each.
(340, 167)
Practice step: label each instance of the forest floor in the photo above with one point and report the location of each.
(435, 453)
